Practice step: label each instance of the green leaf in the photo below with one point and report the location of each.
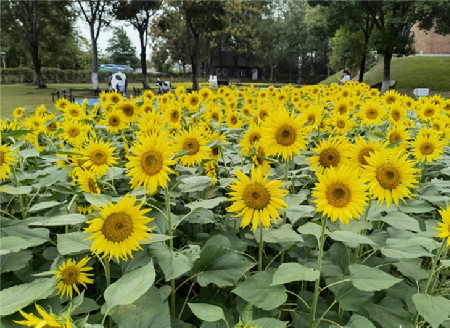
(269, 323)
(156, 238)
(26, 153)
(67, 219)
(73, 243)
(11, 190)
(207, 312)
(220, 266)
(369, 279)
(173, 264)
(43, 205)
(389, 312)
(257, 289)
(401, 248)
(148, 311)
(283, 234)
(416, 206)
(51, 179)
(195, 183)
(401, 220)
(208, 203)
(15, 133)
(357, 321)
(12, 244)
(130, 286)
(311, 228)
(296, 212)
(201, 216)
(97, 199)
(21, 295)
(350, 239)
(14, 261)
(433, 308)
(288, 272)
(412, 268)
(349, 297)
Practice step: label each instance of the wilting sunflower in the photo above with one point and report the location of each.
(283, 134)
(372, 113)
(444, 226)
(390, 176)
(87, 181)
(427, 148)
(7, 159)
(362, 149)
(48, 320)
(252, 135)
(119, 229)
(71, 273)
(99, 156)
(334, 151)
(194, 141)
(340, 194)
(149, 166)
(255, 199)
(115, 120)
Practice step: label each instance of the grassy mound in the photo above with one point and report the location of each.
(410, 73)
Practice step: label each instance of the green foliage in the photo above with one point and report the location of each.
(121, 50)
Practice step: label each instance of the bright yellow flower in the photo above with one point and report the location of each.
(444, 226)
(71, 273)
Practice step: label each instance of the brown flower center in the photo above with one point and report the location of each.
(152, 162)
(363, 154)
(427, 148)
(128, 110)
(254, 137)
(114, 120)
(394, 137)
(286, 135)
(233, 119)
(2, 157)
(98, 157)
(388, 176)
(73, 132)
(70, 275)
(329, 157)
(340, 124)
(338, 194)
(117, 227)
(256, 196)
(174, 116)
(192, 144)
(395, 115)
(429, 112)
(215, 116)
(92, 185)
(372, 114)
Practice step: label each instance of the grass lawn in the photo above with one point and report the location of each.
(29, 96)
(410, 73)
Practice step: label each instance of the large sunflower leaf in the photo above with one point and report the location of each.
(130, 286)
(207, 312)
(434, 309)
(258, 290)
(73, 243)
(370, 279)
(288, 272)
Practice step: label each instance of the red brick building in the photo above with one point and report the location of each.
(428, 42)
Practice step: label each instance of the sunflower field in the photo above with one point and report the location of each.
(319, 206)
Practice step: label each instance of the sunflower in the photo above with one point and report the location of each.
(428, 111)
(61, 104)
(18, 112)
(146, 107)
(115, 97)
(427, 148)
(311, 116)
(362, 149)
(390, 175)
(74, 132)
(371, 113)
(210, 169)
(194, 141)
(129, 109)
(149, 166)
(115, 120)
(397, 113)
(340, 194)
(334, 151)
(255, 199)
(250, 137)
(150, 123)
(48, 320)
(193, 101)
(342, 106)
(340, 123)
(7, 159)
(148, 96)
(74, 111)
(173, 117)
(71, 273)
(213, 114)
(444, 226)
(119, 229)
(87, 181)
(233, 120)
(99, 156)
(283, 134)
(398, 134)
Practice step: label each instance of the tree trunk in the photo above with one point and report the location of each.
(143, 60)
(37, 66)
(362, 67)
(94, 75)
(386, 72)
(194, 62)
(272, 68)
(31, 9)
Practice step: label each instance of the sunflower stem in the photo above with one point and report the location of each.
(107, 273)
(21, 204)
(170, 233)
(317, 282)
(359, 250)
(286, 169)
(261, 247)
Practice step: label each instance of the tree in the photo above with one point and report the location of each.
(95, 13)
(139, 13)
(30, 19)
(201, 17)
(120, 49)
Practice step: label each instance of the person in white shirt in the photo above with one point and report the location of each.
(346, 77)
